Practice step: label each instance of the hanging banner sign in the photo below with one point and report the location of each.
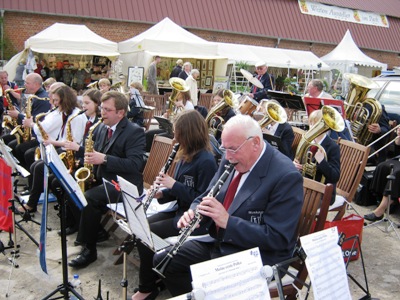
(342, 14)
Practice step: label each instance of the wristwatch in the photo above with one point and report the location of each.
(105, 160)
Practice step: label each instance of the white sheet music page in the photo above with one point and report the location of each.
(235, 276)
(135, 214)
(325, 265)
(54, 159)
(10, 160)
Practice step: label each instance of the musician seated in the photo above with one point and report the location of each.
(136, 104)
(182, 103)
(266, 197)
(225, 113)
(328, 163)
(58, 131)
(380, 184)
(266, 79)
(104, 85)
(118, 150)
(194, 170)
(315, 89)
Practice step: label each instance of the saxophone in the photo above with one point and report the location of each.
(85, 174)
(43, 132)
(187, 231)
(153, 191)
(68, 156)
(9, 122)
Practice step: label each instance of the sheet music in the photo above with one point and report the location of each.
(154, 208)
(235, 276)
(67, 181)
(11, 160)
(325, 265)
(134, 211)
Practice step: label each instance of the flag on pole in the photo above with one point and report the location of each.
(43, 227)
(6, 222)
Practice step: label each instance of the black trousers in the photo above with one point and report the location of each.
(91, 214)
(36, 182)
(178, 277)
(20, 149)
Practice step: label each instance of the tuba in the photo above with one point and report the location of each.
(214, 121)
(273, 112)
(178, 86)
(331, 119)
(84, 175)
(68, 156)
(356, 111)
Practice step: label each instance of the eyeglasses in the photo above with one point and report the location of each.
(233, 151)
(260, 68)
(107, 110)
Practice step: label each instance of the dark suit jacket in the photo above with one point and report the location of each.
(124, 151)
(175, 72)
(37, 106)
(266, 81)
(285, 132)
(265, 211)
(192, 180)
(183, 75)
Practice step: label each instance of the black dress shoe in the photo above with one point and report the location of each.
(68, 231)
(25, 193)
(85, 258)
(76, 243)
(372, 217)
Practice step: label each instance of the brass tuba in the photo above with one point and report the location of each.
(119, 87)
(331, 119)
(84, 175)
(93, 85)
(178, 86)
(356, 111)
(214, 121)
(273, 112)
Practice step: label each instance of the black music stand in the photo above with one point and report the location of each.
(165, 124)
(287, 100)
(274, 141)
(66, 180)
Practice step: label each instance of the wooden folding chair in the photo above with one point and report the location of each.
(298, 133)
(353, 159)
(148, 115)
(316, 196)
(159, 101)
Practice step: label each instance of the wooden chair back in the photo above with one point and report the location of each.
(298, 133)
(159, 101)
(159, 152)
(205, 100)
(353, 159)
(148, 115)
(316, 196)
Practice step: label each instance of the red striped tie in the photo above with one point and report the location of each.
(230, 193)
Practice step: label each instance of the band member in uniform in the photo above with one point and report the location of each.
(266, 79)
(55, 126)
(118, 150)
(258, 206)
(195, 168)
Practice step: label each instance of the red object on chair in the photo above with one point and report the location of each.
(5, 195)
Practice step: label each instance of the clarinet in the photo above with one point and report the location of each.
(187, 231)
(153, 191)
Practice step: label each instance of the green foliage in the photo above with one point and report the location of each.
(242, 65)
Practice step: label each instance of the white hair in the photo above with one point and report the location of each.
(248, 126)
(195, 71)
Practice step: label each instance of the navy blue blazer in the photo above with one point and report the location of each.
(264, 212)
(37, 106)
(125, 151)
(192, 179)
(285, 132)
(266, 80)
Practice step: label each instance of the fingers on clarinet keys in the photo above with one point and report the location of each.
(372, 217)
(85, 258)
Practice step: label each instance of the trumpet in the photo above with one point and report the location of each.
(187, 231)
(165, 168)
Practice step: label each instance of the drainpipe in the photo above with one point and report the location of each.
(2, 34)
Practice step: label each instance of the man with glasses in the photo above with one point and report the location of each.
(118, 150)
(265, 78)
(258, 206)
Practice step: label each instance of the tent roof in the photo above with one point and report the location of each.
(71, 39)
(169, 39)
(274, 57)
(347, 52)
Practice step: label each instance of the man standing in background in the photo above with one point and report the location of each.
(152, 76)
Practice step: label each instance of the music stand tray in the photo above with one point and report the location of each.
(165, 124)
(287, 100)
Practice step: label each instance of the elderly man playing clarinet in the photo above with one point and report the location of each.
(258, 205)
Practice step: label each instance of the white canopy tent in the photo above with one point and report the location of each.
(65, 39)
(167, 39)
(346, 56)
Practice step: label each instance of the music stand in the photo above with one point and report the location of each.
(274, 141)
(287, 100)
(67, 183)
(165, 124)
